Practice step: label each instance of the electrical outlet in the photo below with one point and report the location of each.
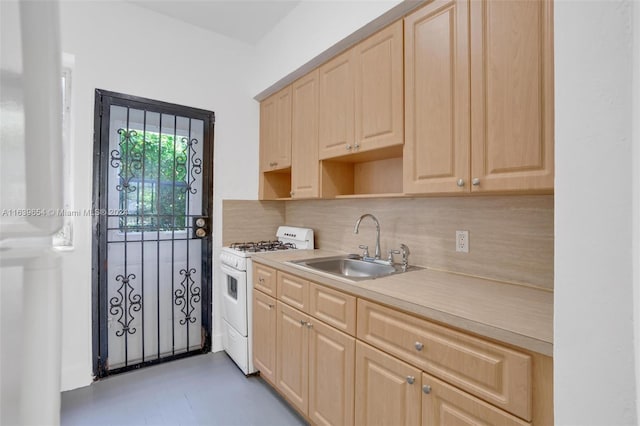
(462, 241)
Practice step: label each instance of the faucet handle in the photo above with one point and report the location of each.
(366, 250)
(391, 252)
(405, 256)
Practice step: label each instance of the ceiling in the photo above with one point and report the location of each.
(244, 20)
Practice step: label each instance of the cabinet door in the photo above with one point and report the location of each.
(443, 404)
(292, 347)
(275, 131)
(264, 335)
(305, 166)
(512, 95)
(331, 387)
(336, 106)
(379, 114)
(436, 153)
(387, 389)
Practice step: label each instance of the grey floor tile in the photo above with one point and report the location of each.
(201, 390)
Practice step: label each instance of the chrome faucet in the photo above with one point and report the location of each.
(355, 231)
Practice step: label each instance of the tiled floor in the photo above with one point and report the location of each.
(200, 390)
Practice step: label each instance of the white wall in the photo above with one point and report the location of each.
(594, 380)
(308, 30)
(121, 47)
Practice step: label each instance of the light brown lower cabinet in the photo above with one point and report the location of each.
(398, 370)
(331, 377)
(264, 335)
(443, 404)
(388, 390)
(292, 355)
(315, 367)
(392, 392)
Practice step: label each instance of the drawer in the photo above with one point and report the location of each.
(333, 307)
(443, 404)
(294, 291)
(499, 375)
(264, 279)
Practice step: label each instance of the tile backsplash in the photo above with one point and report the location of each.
(510, 237)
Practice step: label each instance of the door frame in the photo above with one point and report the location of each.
(99, 236)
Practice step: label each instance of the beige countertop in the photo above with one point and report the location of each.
(513, 314)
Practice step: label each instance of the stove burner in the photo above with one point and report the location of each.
(243, 246)
(261, 246)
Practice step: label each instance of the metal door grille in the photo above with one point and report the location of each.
(152, 246)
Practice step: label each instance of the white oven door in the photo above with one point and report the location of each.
(234, 299)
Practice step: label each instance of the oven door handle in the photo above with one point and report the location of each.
(235, 273)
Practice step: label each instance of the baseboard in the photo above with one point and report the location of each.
(75, 377)
(216, 343)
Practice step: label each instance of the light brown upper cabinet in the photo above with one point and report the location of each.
(305, 167)
(379, 108)
(361, 96)
(487, 124)
(336, 106)
(512, 95)
(436, 152)
(275, 131)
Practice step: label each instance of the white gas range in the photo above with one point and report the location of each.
(238, 289)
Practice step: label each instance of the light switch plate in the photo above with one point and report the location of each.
(462, 241)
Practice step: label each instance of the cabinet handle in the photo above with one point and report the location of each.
(348, 147)
(270, 306)
(309, 325)
(426, 389)
(460, 183)
(292, 193)
(303, 322)
(411, 380)
(261, 280)
(419, 346)
(356, 146)
(475, 182)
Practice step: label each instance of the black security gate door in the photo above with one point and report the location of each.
(152, 202)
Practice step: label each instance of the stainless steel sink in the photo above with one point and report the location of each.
(351, 267)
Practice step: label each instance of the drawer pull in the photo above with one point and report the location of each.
(309, 325)
(270, 306)
(419, 346)
(261, 280)
(411, 380)
(426, 389)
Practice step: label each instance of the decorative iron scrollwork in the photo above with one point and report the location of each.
(187, 296)
(196, 166)
(125, 304)
(128, 162)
